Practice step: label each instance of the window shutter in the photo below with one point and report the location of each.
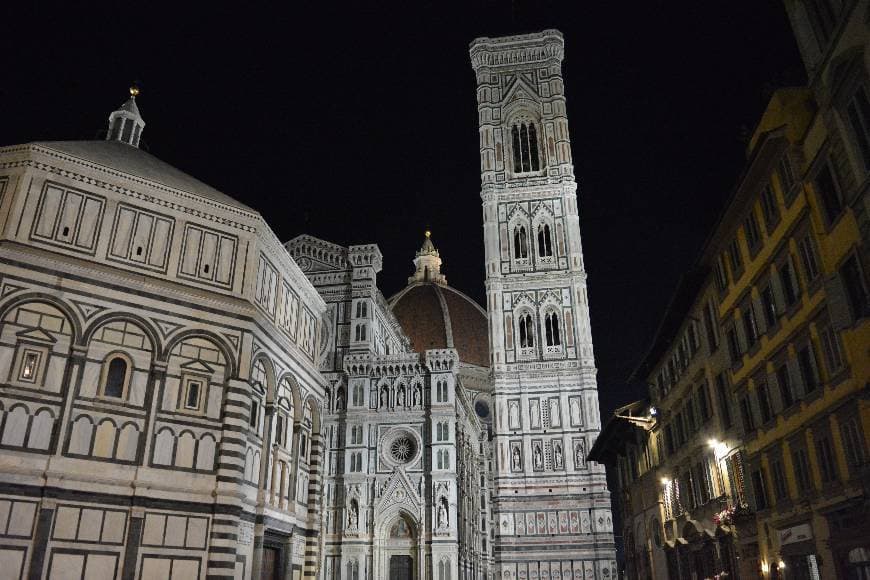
(838, 303)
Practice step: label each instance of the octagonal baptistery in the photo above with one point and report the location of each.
(434, 315)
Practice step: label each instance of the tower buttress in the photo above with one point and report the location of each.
(545, 392)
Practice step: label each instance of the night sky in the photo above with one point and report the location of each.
(359, 125)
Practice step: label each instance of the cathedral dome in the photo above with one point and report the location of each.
(434, 315)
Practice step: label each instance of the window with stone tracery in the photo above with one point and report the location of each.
(524, 137)
(551, 329)
(521, 243)
(545, 241)
(527, 331)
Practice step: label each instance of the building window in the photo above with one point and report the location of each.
(807, 365)
(827, 187)
(746, 415)
(704, 402)
(733, 345)
(783, 380)
(441, 392)
(281, 430)
(116, 376)
(735, 259)
(724, 400)
(759, 489)
(768, 307)
(551, 327)
(788, 283)
(750, 328)
(358, 395)
(859, 120)
(360, 333)
(721, 276)
(787, 178)
(29, 366)
(193, 394)
(809, 258)
(525, 145)
(833, 353)
(769, 208)
(853, 442)
(362, 310)
(801, 470)
(856, 290)
(711, 327)
(780, 487)
(527, 331)
(521, 243)
(750, 228)
(764, 403)
(254, 417)
(545, 243)
(827, 466)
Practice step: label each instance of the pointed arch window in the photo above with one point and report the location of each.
(527, 331)
(551, 329)
(545, 241)
(521, 243)
(524, 137)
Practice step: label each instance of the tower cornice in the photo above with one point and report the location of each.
(510, 51)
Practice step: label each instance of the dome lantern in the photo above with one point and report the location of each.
(428, 264)
(125, 123)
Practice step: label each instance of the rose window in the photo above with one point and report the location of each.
(403, 449)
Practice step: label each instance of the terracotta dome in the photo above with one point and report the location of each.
(434, 315)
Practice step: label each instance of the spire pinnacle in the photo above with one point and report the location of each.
(428, 263)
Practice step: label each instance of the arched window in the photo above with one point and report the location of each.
(525, 145)
(521, 243)
(362, 310)
(551, 329)
(545, 241)
(117, 373)
(358, 395)
(527, 331)
(360, 332)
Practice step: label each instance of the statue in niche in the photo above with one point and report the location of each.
(557, 454)
(538, 457)
(555, 419)
(575, 412)
(353, 516)
(339, 399)
(580, 453)
(514, 414)
(401, 397)
(417, 396)
(443, 520)
(385, 397)
(516, 460)
(535, 413)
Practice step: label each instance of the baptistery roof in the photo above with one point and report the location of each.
(434, 315)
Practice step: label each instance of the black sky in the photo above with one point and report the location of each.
(357, 122)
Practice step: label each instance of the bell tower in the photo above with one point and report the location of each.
(551, 507)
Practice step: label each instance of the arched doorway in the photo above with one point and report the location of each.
(399, 554)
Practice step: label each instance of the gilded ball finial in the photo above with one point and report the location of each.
(134, 91)
(428, 234)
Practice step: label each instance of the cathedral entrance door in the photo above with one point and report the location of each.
(401, 568)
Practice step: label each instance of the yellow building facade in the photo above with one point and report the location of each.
(750, 455)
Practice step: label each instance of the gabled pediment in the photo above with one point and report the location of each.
(36, 334)
(197, 366)
(399, 491)
(521, 90)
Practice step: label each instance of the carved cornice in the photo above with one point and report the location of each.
(509, 51)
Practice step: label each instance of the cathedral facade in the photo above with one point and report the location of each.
(184, 396)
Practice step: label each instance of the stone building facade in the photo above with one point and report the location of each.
(184, 396)
(543, 368)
